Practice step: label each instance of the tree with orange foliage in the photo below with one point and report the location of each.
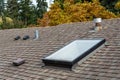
(74, 12)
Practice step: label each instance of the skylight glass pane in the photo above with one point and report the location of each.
(73, 50)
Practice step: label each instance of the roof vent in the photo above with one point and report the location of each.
(18, 62)
(26, 37)
(17, 37)
(98, 26)
(72, 53)
(36, 35)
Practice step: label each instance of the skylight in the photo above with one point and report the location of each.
(73, 52)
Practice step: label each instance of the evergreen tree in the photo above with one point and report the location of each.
(26, 9)
(109, 4)
(13, 9)
(41, 8)
(1, 7)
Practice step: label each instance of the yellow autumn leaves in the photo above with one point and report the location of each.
(75, 13)
(8, 20)
(117, 6)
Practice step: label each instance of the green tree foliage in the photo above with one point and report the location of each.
(41, 8)
(21, 12)
(13, 9)
(1, 7)
(74, 12)
(26, 9)
(109, 4)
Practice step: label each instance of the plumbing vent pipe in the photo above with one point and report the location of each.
(97, 23)
(36, 35)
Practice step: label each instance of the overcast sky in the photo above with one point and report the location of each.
(49, 2)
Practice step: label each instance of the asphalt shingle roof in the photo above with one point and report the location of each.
(103, 65)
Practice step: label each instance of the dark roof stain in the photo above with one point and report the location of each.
(103, 65)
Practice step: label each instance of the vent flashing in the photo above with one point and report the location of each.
(73, 52)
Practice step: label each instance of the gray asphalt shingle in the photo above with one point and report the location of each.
(103, 65)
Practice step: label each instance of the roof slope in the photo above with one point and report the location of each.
(103, 65)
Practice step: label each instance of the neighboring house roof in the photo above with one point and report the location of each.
(103, 65)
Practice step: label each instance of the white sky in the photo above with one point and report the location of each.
(49, 2)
